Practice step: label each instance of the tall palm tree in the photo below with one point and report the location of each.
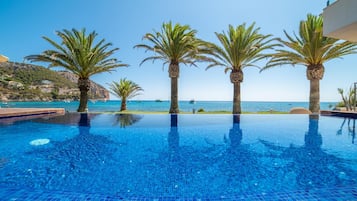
(125, 90)
(175, 44)
(311, 49)
(80, 54)
(241, 47)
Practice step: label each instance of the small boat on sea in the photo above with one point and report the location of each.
(192, 101)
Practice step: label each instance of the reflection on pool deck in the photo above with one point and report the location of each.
(185, 157)
(10, 115)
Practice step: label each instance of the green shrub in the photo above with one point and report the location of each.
(201, 110)
(340, 104)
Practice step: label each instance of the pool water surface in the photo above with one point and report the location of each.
(193, 157)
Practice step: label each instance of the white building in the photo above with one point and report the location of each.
(340, 20)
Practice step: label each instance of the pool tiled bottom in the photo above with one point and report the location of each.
(328, 194)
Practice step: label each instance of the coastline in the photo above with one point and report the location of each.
(154, 106)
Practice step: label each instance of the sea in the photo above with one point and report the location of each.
(163, 106)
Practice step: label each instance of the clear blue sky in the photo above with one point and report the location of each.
(124, 22)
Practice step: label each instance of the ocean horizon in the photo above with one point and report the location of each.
(163, 106)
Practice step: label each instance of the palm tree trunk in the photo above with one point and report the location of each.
(315, 73)
(174, 72)
(314, 106)
(236, 98)
(84, 86)
(123, 104)
(174, 109)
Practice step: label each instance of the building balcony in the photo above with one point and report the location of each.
(340, 20)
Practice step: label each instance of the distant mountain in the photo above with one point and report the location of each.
(26, 82)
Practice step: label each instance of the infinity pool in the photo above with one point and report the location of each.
(179, 157)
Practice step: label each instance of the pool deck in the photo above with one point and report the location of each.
(336, 113)
(23, 112)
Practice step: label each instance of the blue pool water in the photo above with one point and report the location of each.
(193, 157)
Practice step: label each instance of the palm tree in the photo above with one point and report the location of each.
(348, 100)
(79, 54)
(311, 49)
(125, 90)
(241, 47)
(175, 44)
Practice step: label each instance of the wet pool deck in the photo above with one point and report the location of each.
(23, 112)
(336, 113)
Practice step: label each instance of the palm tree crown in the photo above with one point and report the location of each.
(175, 44)
(311, 49)
(80, 54)
(125, 90)
(241, 47)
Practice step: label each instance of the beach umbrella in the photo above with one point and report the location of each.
(3, 58)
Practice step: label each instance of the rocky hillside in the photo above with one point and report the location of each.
(26, 82)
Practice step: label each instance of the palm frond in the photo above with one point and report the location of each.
(240, 47)
(125, 89)
(310, 47)
(173, 44)
(79, 53)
